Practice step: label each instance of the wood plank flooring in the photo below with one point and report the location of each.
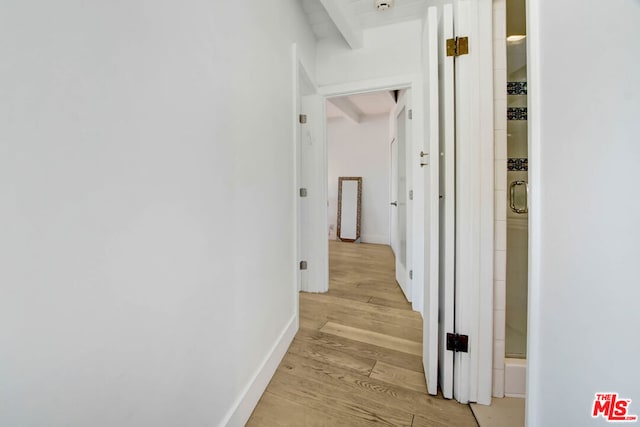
(357, 358)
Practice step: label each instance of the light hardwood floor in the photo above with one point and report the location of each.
(356, 360)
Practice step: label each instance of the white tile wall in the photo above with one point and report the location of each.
(498, 353)
(500, 113)
(500, 150)
(500, 212)
(501, 175)
(500, 196)
(499, 23)
(500, 238)
(500, 81)
(499, 325)
(498, 383)
(499, 61)
(499, 295)
(499, 266)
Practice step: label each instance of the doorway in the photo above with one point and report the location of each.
(367, 138)
(414, 185)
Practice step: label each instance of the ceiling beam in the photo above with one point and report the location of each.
(347, 27)
(391, 98)
(347, 108)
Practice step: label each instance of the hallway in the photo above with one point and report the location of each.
(356, 359)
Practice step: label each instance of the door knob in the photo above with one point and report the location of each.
(394, 203)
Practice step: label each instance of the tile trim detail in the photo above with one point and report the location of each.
(517, 113)
(516, 88)
(517, 164)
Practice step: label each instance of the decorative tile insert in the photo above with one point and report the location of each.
(516, 88)
(514, 164)
(517, 113)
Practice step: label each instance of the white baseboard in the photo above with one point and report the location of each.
(369, 238)
(239, 414)
(375, 238)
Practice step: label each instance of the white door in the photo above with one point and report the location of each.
(312, 205)
(474, 208)
(429, 162)
(447, 200)
(439, 194)
(399, 192)
(393, 192)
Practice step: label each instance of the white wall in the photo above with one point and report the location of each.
(361, 150)
(146, 249)
(391, 50)
(500, 192)
(585, 234)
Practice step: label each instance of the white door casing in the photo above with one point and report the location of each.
(447, 202)
(400, 179)
(466, 220)
(415, 132)
(425, 252)
(429, 165)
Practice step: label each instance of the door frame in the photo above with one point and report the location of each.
(406, 81)
(304, 86)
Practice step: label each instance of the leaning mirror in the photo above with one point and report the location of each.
(349, 200)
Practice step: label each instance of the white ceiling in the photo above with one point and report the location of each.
(348, 18)
(357, 107)
(402, 10)
(360, 14)
(374, 103)
(319, 19)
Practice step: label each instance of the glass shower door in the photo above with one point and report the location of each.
(517, 210)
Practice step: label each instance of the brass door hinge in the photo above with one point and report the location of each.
(458, 46)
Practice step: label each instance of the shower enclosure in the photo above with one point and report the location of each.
(517, 209)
